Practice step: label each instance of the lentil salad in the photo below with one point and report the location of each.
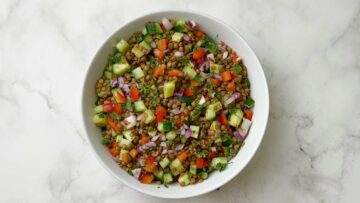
(173, 105)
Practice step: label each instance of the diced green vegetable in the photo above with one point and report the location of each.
(150, 117)
(145, 45)
(167, 126)
(158, 28)
(215, 68)
(197, 112)
(100, 120)
(177, 36)
(246, 83)
(236, 68)
(128, 135)
(148, 39)
(189, 71)
(159, 174)
(139, 106)
(128, 105)
(125, 142)
(210, 114)
(184, 179)
(164, 162)
(195, 131)
(168, 178)
(160, 127)
(108, 75)
(179, 26)
(171, 135)
(193, 169)
(219, 163)
(138, 73)
(227, 142)
(144, 31)
(176, 167)
(215, 125)
(99, 109)
(169, 88)
(122, 46)
(120, 68)
(216, 106)
(187, 100)
(151, 132)
(137, 51)
(105, 141)
(235, 118)
(122, 151)
(153, 28)
(249, 102)
(204, 175)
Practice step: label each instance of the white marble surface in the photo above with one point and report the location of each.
(310, 53)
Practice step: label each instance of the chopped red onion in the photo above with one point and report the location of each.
(213, 149)
(226, 112)
(192, 23)
(232, 98)
(141, 161)
(178, 93)
(179, 147)
(245, 126)
(170, 151)
(239, 134)
(203, 75)
(223, 48)
(179, 53)
(167, 24)
(150, 144)
(165, 151)
(163, 144)
(153, 139)
(210, 57)
(188, 133)
(176, 111)
(153, 45)
(162, 138)
(140, 117)
(187, 38)
(204, 66)
(182, 131)
(114, 83)
(218, 77)
(166, 51)
(185, 126)
(121, 80)
(225, 55)
(137, 173)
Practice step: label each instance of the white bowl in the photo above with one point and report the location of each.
(259, 91)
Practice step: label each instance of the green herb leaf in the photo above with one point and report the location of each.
(249, 102)
(236, 68)
(167, 126)
(187, 100)
(246, 83)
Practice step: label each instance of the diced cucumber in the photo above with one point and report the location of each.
(199, 43)
(145, 45)
(148, 39)
(138, 73)
(164, 162)
(179, 26)
(215, 125)
(169, 88)
(130, 121)
(184, 179)
(210, 114)
(122, 151)
(177, 36)
(158, 28)
(193, 169)
(125, 142)
(152, 132)
(119, 138)
(160, 127)
(168, 178)
(99, 109)
(235, 118)
(216, 106)
(249, 102)
(150, 117)
(215, 68)
(139, 106)
(176, 167)
(137, 51)
(100, 120)
(195, 131)
(171, 135)
(219, 163)
(128, 135)
(122, 46)
(108, 75)
(204, 175)
(144, 31)
(159, 175)
(120, 68)
(189, 71)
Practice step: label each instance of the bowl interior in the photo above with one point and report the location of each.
(259, 92)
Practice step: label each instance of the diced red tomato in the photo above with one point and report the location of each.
(199, 34)
(182, 156)
(162, 44)
(120, 97)
(144, 139)
(231, 87)
(212, 155)
(248, 114)
(178, 123)
(151, 164)
(160, 111)
(175, 73)
(215, 82)
(188, 92)
(222, 119)
(147, 178)
(159, 54)
(194, 83)
(112, 124)
(133, 153)
(201, 163)
(134, 93)
(199, 53)
(226, 76)
(117, 108)
(114, 149)
(160, 70)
